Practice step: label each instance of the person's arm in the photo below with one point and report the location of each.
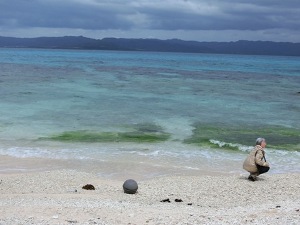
(259, 159)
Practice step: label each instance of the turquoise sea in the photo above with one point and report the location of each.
(146, 114)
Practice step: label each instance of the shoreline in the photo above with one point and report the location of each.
(116, 169)
(146, 160)
(57, 197)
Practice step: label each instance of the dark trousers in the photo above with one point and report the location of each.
(262, 169)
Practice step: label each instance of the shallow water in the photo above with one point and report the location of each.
(45, 93)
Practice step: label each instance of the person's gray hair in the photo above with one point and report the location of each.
(260, 140)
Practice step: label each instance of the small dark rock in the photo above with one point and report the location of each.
(88, 187)
(165, 200)
(71, 221)
(190, 204)
(178, 200)
(278, 206)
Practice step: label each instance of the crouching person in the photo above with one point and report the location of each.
(256, 163)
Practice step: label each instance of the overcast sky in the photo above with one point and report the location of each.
(201, 20)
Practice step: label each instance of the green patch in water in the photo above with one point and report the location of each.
(148, 128)
(140, 133)
(277, 137)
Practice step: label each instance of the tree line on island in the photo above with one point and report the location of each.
(155, 45)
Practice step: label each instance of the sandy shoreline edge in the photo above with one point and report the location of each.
(57, 197)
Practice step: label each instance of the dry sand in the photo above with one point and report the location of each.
(57, 197)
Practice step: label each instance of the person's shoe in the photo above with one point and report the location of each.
(251, 178)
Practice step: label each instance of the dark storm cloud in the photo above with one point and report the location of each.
(152, 14)
(61, 14)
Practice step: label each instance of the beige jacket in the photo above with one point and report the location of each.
(255, 157)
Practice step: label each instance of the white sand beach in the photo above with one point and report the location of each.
(57, 197)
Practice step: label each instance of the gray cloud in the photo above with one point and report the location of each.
(164, 16)
(61, 14)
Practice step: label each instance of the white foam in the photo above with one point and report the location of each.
(239, 146)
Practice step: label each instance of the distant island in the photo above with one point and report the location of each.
(155, 45)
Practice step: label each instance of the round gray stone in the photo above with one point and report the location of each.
(130, 186)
